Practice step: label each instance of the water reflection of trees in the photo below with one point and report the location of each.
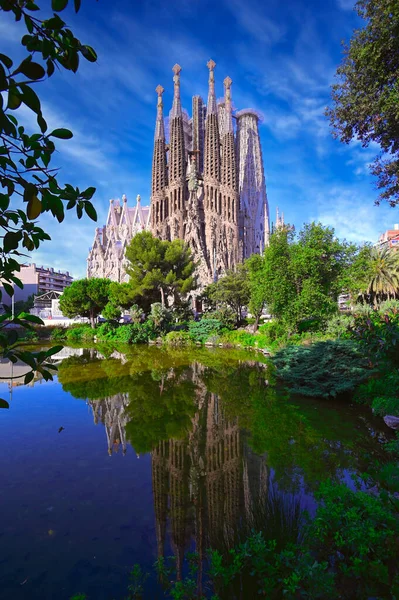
(221, 436)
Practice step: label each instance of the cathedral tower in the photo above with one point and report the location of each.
(211, 192)
(159, 171)
(254, 208)
(228, 197)
(177, 162)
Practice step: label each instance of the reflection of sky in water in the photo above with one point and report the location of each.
(75, 519)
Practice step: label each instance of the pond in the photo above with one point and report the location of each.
(127, 457)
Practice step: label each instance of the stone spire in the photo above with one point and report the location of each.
(229, 174)
(177, 161)
(211, 107)
(228, 197)
(176, 107)
(227, 103)
(159, 167)
(212, 143)
(159, 125)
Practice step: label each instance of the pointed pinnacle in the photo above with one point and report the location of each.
(176, 69)
(227, 82)
(159, 90)
(211, 64)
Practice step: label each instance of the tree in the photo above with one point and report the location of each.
(25, 172)
(158, 271)
(257, 288)
(383, 275)
(303, 276)
(366, 96)
(232, 290)
(85, 298)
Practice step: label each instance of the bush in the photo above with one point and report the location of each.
(200, 330)
(30, 336)
(273, 331)
(382, 394)
(80, 333)
(177, 338)
(59, 334)
(103, 330)
(225, 315)
(378, 334)
(160, 318)
(356, 534)
(339, 326)
(323, 369)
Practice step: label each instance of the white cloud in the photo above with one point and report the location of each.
(346, 4)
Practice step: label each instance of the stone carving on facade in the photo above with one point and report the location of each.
(202, 180)
(107, 255)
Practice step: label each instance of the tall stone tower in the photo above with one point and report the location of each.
(254, 208)
(208, 184)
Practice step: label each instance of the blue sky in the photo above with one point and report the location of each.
(282, 57)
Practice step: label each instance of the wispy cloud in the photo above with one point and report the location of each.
(346, 4)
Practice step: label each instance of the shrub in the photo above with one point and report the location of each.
(80, 333)
(105, 329)
(136, 313)
(378, 334)
(225, 315)
(30, 336)
(357, 535)
(160, 318)
(58, 334)
(177, 338)
(382, 394)
(390, 307)
(200, 330)
(339, 326)
(273, 331)
(323, 369)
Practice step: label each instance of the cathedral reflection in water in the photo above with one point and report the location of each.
(204, 485)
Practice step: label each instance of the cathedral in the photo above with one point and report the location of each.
(208, 188)
(107, 255)
(208, 184)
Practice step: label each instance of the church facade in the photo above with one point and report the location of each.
(208, 188)
(107, 255)
(208, 184)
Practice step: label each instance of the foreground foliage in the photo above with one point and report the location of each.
(365, 98)
(29, 184)
(323, 369)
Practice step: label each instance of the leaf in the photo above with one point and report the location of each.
(14, 99)
(28, 377)
(29, 192)
(31, 318)
(89, 53)
(4, 403)
(6, 60)
(11, 240)
(34, 208)
(53, 350)
(89, 193)
(31, 69)
(62, 134)
(90, 211)
(59, 5)
(42, 123)
(30, 98)
(8, 288)
(77, 5)
(50, 67)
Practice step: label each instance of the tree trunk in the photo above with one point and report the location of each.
(162, 297)
(256, 324)
(92, 320)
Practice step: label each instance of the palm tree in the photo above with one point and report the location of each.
(383, 277)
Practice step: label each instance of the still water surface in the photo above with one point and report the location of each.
(161, 452)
